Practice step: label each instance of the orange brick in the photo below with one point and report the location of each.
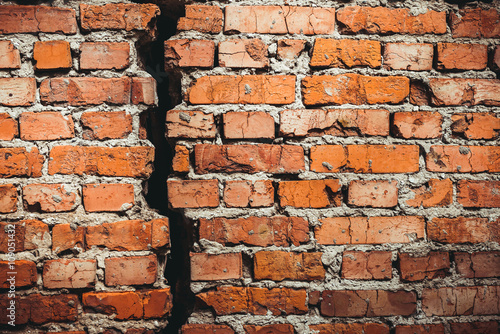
(478, 264)
(275, 328)
(69, 273)
(334, 122)
(366, 265)
(377, 194)
(46, 126)
(241, 53)
(193, 193)
(490, 327)
(455, 92)
(25, 273)
(370, 230)
(346, 53)
(475, 23)
(430, 266)
(189, 53)
(367, 328)
(279, 20)
(50, 197)
(463, 230)
(478, 194)
(206, 328)
(52, 55)
(279, 265)
(455, 56)
(354, 89)
(463, 159)
(475, 125)
(180, 162)
(214, 267)
(419, 124)
(310, 194)
(201, 18)
(106, 125)
(381, 20)
(243, 194)
(290, 48)
(160, 233)
(419, 93)
(157, 303)
(420, 329)
(9, 55)
(104, 56)
(126, 305)
(248, 125)
(8, 127)
(131, 270)
(20, 161)
(190, 124)
(128, 235)
(408, 56)
(27, 234)
(108, 197)
(37, 19)
(434, 193)
(277, 159)
(143, 91)
(8, 198)
(67, 236)
(16, 92)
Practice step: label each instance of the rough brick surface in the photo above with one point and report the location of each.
(128, 235)
(193, 193)
(9, 55)
(37, 19)
(17, 91)
(8, 127)
(378, 194)
(108, 197)
(207, 267)
(278, 266)
(454, 56)
(479, 194)
(202, 18)
(463, 159)
(417, 268)
(189, 53)
(463, 230)
(132, 270)
(475, 23)
(67, 236)
(50, 197)
(475, 125)
(478, 265)
(290, 48)
(421, 125)
(243, 53)
(8, 198)
(434, 193)
(190, 124)
(45, 126)
(104, 55)
(408, 56)
(52, 55)
(180, 161)
(20, 162)
(346, 53)
(23, 270)
(248, 125)
(106, 125)
(249, 193)
(366, 265)
(455, 92)
(310, 194)
(69, 273)
(368, 328)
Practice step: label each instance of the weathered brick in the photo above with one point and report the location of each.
(354, 89)
(463, 159)
(8, 198)
(280, 265)
(256, 231)
(478, 194)
(130, 270)
(417, 124)
(334, 122)
(193, 193)
(430, 266)
(495, 61)
(55, 308)
(455, 56)
(463, 230)
(105, 161)
(475, 125)
(157, 303)
(377, 194)
(21, 313)
(279, 20)
(52, 55)
(102, 125)
(9, 55)
(69, 273)
(366, 265)
(160, 233)
(104, 55)
(248, 125)
(478, 264)
(365, 158)
(458, 91)
(434, 193)
(143, 91)
(37, 19)
(366, 328)
(369, 230)
(242, 194)
(16, 92)
(27, 235)
(290, 48)
(490, 327)
(20, 161)
(247, 89)
(475, 23)
(408, 56)
(23, 270)
(214, 267)
(67, 236)
(201, 18)
(368, 303)
(241, 53)
(382, 20)
(277, 159)
(345, 53)
(180, 162)
(108, 197)
(275, 328)
(189, 53)
(50, 197)
(46, 126)
(419, 93)
(8, 127)
(310, 194)
(420, 329)
(128, 235)
(190, 124)
(206, 328)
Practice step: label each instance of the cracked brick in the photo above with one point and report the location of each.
(430, 266)
(469, 92)
(463, 159)
(69, 273)
(280, 265)
(346, 53)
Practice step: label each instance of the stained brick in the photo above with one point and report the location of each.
(241, 53)
(106, 125)
(50, 197)
(290, 48)
(190, 124)
(189, 53)
(67, 236)
(367, 265)
(434, 193)
(463, 230)
(25, 273)
(214, 267)
(346, 53)
(408, 56)
(206, 328)
(377, 194)
(180, 162)
(27, 235)
(37, 19)
(69, 273)
(16, 92)
(52, 55)
(130, 270)
(478, 194)
(9, 55)
(430, 266)
(45, 126)
(463, 159)
(475, 23)
(489, 327)
(108, 197)
(193, 193)
(275, 328)
(455, 56)
(249, 193)
(475, 125)
(8, 127)
(8, 198)
(128, 235)
(458, 91)
(248, 125)
(201, 18)
(310, 194)
(478, 264)
(417, 125)
(279, 265)
(104, 55)
(143, 91)
(420, 329)
(367, 328)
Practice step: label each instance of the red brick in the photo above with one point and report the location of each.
(377, 194)
(193, 193)
(20, 161)
(37, 19)
(206, 328)
(215, 267)
(475, 23)
(55, 308)
(24, 272)
(46, 126)
(108, 197)
(478, 194)
(490, 327)
(248, 125)
(368, 303)
(279, 20)
(189, 53)
(8, 198)
(345, 53)
(52, 55)
(131, 270)
(366, 328)
(455, 56)
(106, 125)
(104, 56)
(419, 124)
(369, 230)
(277, 159)
(67, 236)
(364, 158)
(16, 92)
(157, 303)
(180, 162)
(334, 122)
(8, 127)
(128, 235)
(430, 266)
(246, 89)
(472, 300)
(463, 230)
(463, 159)
(190, 124)
(419, 93)
(243, 194)
(21, 312)
(143, 91)
(69, 273)
(50, 197)
(475, 125)
(354, 89)
(434, 193)
(310, 194)
(381, 20)
(290, 48)
(455, 92)
(495, 61)
(105, 161)
(275, 328)
(201, 18)
(256, 231)
(119, 16)
(258, 301)
(9, 55)
(408, 56)
(242, 53)
(367, 265)
(160, 233)
(420, 329)
(28, 235)
(279, 265)
(478, 264)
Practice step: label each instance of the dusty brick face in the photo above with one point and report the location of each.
(346, 53)
(454, 56)
(180, 161)
(434, 193)
(9, 55)
(143, 91)
(455, 92)
(50, 197)
(108, 197)
(16, 92)
(249, 193)
(479, 194)
(27, 235)
(128, 235)
(193, 193)
(278, 265)
(8, 127)
(475, 23)
(8, 198)
(69, 273)
(408, 56)
(463, 230)
(310, 194)
(104, 55)
(463, 159)
(208, 19)
(189, 53)
(478, 264)
(46, 126)
(248, 125)
(106, 125)
(131, 270)
(206, 328)
(190, 124)
(366, 265)
(475, 125)
(290, 48)
(253, 53)
(378, 194)
(214, 267)
(25, 273)
(417, 268)
(275, 328)
(368, 328)
(52, 55)
(421, 125)
(37, 19)
(420, 329)
(67, 236)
